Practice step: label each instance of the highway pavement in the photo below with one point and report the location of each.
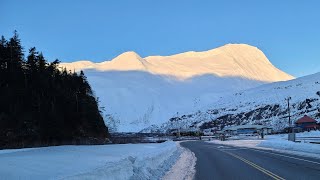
(216, 161)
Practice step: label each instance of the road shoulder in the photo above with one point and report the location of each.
(184, 168)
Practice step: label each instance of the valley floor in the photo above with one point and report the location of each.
(166, 160)
(123, 161)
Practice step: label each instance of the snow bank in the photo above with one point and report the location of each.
(309, 134)
(292, 146)
(184, 168)
(127, 161)
(279, 143)
(238, 143)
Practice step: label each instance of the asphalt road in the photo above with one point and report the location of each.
(216, 161)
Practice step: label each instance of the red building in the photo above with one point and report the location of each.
(306, 123)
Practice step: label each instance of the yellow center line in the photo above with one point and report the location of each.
(274, 176)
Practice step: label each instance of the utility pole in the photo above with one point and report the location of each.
(179, 125)
(290, 128)
(291, 134)
(288, 99)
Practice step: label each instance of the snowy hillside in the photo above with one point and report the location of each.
(138, 92)
(262, 105)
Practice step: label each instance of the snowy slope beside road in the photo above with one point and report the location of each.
(128, 161)
(265, 104)
(278, 142)
(138, 92)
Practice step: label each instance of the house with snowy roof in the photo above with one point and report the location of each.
(306, 123)
(247, 129)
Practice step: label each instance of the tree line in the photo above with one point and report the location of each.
(42, 104)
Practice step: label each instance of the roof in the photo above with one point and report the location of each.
(248, 126)
(305, 119)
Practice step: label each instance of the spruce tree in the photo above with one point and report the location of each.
(42, 105)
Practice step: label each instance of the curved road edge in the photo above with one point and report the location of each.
(184, 168)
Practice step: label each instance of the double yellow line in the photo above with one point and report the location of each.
(274, 176)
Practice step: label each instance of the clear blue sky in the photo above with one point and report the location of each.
(288, 31)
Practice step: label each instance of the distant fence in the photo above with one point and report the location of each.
(207, 138)
(314, 140)
(232, 137)
(124, 138)
(183, 138)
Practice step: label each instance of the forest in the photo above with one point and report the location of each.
(42, 104)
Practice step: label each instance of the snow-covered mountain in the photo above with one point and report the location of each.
(231, 60)
(139, 92)
(265, 104)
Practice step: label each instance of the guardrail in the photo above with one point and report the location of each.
(314, 140)
(208, 137)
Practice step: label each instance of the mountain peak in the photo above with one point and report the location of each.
(128, 61)
(231, 49)
(239, 47)
(129, 55)
(242, 54)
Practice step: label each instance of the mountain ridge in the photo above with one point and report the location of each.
(139, 92)
(243, 60)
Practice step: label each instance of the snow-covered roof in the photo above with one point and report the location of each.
(305, 119)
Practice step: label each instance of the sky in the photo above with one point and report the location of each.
(287, 31)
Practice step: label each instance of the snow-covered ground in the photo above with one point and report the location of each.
(184, 168)
(126, 161)
(280, 143)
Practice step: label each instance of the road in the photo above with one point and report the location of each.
(216, 161)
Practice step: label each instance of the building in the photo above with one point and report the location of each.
(207, 132)
(247, 129)
(306, 123)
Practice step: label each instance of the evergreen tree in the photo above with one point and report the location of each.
(32, 60)
(3, 50)
(16, 53)
(41, 105)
